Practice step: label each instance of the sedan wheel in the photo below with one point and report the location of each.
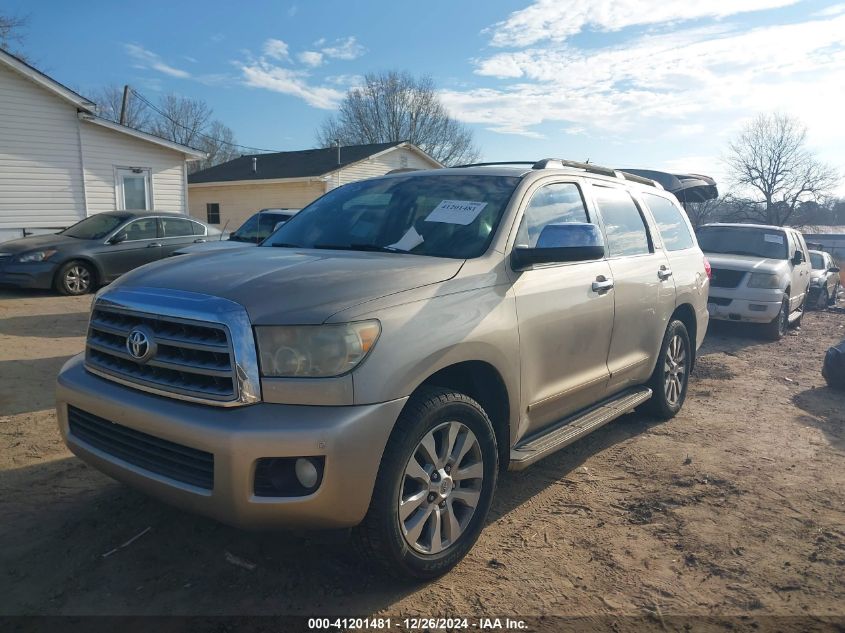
(75, 278)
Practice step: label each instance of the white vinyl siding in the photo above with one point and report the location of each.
(40, 168)
(105, 151)
(379, 166)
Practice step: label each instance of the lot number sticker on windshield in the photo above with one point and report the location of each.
(456, 212)
(774, 239)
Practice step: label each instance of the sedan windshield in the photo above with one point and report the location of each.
(739, 240)
(441, 216)
(96, 227)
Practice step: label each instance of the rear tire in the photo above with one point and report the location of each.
(405, 531)
(671, 374)
(75, 278)
(776, 330)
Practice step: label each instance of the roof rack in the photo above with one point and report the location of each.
(557, 163)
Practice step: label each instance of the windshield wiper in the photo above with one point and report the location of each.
(285, 245)
(359, 247)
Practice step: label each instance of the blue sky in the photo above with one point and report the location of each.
(638, 83)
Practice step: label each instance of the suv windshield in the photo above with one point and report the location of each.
(96, 227)
(741, 240)
(441, 216)
(258, 227)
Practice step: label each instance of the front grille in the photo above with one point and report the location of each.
(192, 358)
(720, 301)
(175, 461)
(726, 278)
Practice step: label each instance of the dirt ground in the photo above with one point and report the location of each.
(735, 507)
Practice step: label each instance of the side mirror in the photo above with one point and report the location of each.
(117, 238)
(558, 243)
(833, 269)
(798, 258)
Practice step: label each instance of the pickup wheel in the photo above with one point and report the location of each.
(776, 330)
(434, 486)
(823, 299)
(671, 374)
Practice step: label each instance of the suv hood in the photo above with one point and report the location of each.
(33, 242)
(215, 245)
(283, 286)
(747, 263)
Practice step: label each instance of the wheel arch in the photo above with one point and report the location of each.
(482, 382)
(85, 259)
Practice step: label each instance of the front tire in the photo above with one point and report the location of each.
(434, 487)
(776, 330)
(75, 278)
(823, 299)
(671, 374)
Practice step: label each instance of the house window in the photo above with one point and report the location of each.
(133, 189)
(212, 212)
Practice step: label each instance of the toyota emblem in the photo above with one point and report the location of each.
(140, 344)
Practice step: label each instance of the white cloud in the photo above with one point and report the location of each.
(555, 20)
(311, 58)
(832, 10)
(670, 82)
(261, 74)
(347, 48)
(149, 59)
(276, 49)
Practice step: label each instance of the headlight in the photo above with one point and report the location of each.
(314, 351)
(36, 256)
(764, 280)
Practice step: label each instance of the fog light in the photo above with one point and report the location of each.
(306, 472)
(288, 476)
(756, 307)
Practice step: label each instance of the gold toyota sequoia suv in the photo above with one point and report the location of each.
(378, 359)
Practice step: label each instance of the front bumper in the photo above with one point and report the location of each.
(744, 304)
(33, 275)
(351, 438)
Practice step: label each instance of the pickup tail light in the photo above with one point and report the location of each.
(707, 269)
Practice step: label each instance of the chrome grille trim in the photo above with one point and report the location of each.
(205, 346)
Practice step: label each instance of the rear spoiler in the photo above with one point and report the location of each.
(686, 187)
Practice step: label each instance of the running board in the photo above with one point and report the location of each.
(795, 316)
(574, 428)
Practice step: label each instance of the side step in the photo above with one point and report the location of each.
(574, 428)
(793, 317)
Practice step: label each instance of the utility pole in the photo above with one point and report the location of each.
(124, 104)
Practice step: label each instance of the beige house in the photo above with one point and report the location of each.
(60, 163)
(233, 191)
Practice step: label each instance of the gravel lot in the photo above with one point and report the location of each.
(735, 507)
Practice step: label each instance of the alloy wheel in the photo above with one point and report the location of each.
(77, 279)
(441, 487)
(675, 369)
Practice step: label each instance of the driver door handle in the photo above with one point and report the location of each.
(602, 285)
(154, 245)
(664, 273)
(199, 241)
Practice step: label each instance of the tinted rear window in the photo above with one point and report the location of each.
(671, 222)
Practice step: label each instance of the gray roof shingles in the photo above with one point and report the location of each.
(299, 164)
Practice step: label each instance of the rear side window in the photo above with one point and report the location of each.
(176, 227)
(558, 203)
(626, 231)
(671, 222)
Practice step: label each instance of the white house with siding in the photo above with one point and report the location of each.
(60, 163)
(233, 191)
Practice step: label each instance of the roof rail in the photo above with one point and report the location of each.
(496, 163)
(557, 163)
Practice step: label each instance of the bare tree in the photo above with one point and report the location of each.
(773, 168)
(12, 29)
(701, 213)
(220, 145)
(181, 120)
(395, 106)
(109, 100)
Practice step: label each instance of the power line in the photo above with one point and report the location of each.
(185, 127)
